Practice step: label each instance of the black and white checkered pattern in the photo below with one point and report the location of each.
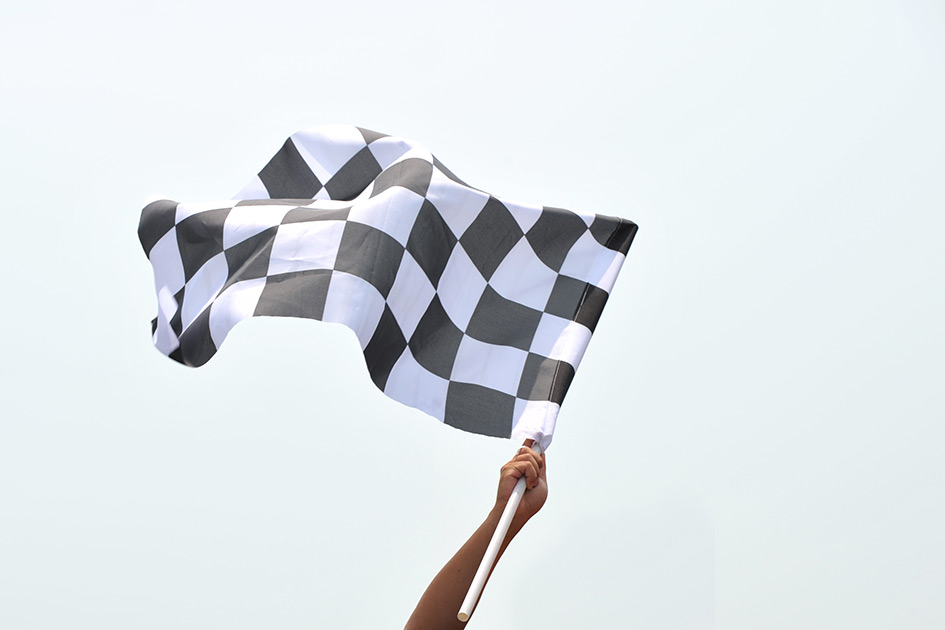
(473, 309)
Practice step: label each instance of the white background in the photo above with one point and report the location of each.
(754, 439)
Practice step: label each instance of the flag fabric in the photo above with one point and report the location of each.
(473, 309)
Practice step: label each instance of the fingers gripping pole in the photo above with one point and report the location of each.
(492, 551)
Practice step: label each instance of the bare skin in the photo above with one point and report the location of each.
(441, 601)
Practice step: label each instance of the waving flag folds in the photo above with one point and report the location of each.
(472, 309)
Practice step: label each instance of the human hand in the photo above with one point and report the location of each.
(439, 603)
(529, 464)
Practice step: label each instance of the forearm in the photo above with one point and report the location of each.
(444, 596)
(438, 608)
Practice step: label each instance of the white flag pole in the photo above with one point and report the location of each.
(488, 559)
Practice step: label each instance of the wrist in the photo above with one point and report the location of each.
(515, 525)
(518, 522)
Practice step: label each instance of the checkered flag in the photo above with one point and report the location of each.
(473, 309)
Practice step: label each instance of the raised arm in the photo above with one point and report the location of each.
(440, 602)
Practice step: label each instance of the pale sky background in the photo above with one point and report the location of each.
(754, 439)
